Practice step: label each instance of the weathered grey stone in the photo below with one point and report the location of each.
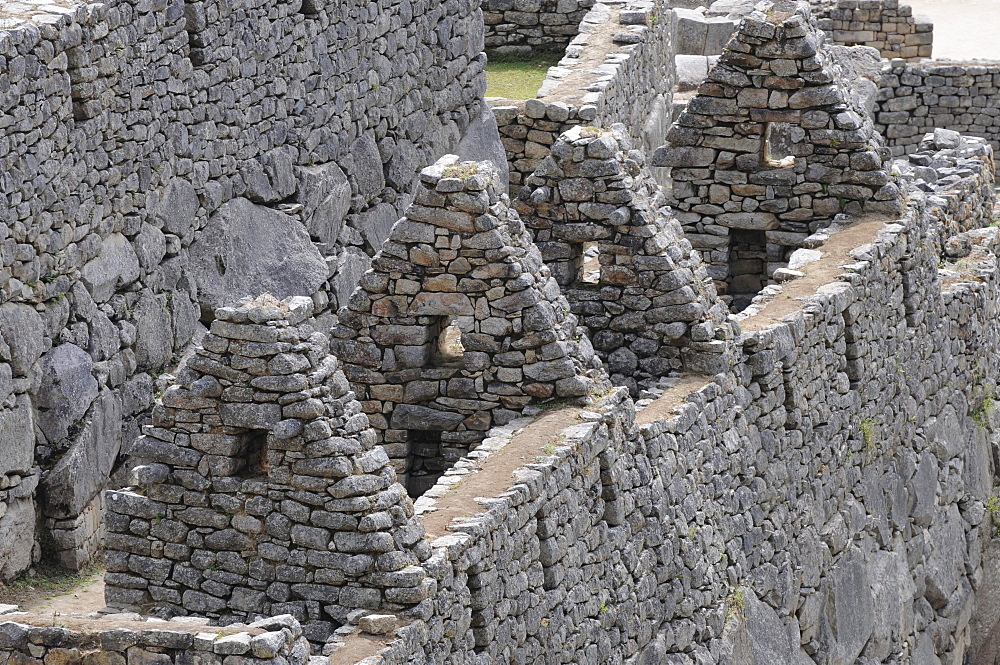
(250, 416)
(481, 142)
(848, 618)
(23, 336)
(272, 178)
(177, 207)
(351, 265)
(367, 177)
(376, 223)
(67, 390)
(407, 416)
(84, 469)
(115, 266)
(17, 533)
(154, 342)
(18, 434)
(246, 249)
(325, 193)
(378, 624)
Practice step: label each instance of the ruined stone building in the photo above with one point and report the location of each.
(330, 357)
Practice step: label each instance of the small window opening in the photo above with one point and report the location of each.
(426, 463)
(747, 266)
(254, 454)
(448, 349)
(779, 140)
(590, 264)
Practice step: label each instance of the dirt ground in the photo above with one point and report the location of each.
(963, 29)
(85, 599)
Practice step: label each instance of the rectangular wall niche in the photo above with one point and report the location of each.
(426, 463)
(448, 350)
(747, 266)
(253, 454)
(779, 143)
(590, 264)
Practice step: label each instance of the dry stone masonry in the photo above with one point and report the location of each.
(917, 98)
(824, 502)
(262, 489)
(777, 142)
(652, 309)
(163, 158)
(460, 257)
(885, 25)
(959, 173)
(272, 641)
(523, 26)
(633, 85)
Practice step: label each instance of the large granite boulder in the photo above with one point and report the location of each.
(115, 266)
(83, 471)
(247, 249)
(67, 390)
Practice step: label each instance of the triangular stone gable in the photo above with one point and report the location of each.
(259, 456)
(462, 255)
(778, 139)
(652, 311)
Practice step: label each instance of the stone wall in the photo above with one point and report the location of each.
(523, 26)
(777, 141)
(914, 99)
(634, 86)
(885, 25)
(651, 310)
(26, 639)
(823, 502)
(162, 158)
(959, 174)
(261, 489)
(461, 260)
(822, 498)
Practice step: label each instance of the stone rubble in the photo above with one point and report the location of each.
(277, 641)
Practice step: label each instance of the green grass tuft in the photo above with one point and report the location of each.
(516, 75)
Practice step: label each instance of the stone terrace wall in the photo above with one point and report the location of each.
(914, 99)
(960, 174)
(882, 24)
(822, 502)
(273, 641)
(522, 26)
(289, 131)
(634, 86)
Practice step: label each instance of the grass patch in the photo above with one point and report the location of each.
(48, 582)
(517, 75)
